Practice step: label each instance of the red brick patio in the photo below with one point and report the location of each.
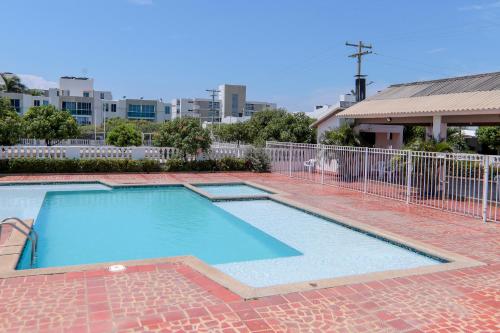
(175, 298)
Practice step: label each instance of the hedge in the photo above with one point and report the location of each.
(224, 164)
(31, 165)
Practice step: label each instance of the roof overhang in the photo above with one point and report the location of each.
(334, 110)
(469, 103)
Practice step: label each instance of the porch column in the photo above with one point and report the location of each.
(438, 129)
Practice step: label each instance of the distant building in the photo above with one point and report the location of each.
(231, 103)
(89, 106)
(325, 116)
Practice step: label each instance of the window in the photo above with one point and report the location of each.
(113, 107)
(45, 102)
(16, 104)
(78, 108)
(105, 107)
(249, 109)
(86, 94)
(234, 105)
(140, 111)
(167, 109)
(36, 102)
(102, 95)
(216, 105)
(82, 120)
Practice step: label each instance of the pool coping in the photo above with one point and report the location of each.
(11, 250)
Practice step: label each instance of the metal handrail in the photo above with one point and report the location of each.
(34, 240)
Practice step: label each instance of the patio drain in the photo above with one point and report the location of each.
(116, 268)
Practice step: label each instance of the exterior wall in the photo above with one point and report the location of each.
(225, 107)
(386, 136)
(183, 107)
(251, 107)
(25, 101)
(328, 125)
(232, 106)
(73, 86)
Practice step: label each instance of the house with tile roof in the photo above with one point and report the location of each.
(472, 100)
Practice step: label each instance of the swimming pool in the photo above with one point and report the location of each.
(83, 227)
(259, 242)
(232, 190)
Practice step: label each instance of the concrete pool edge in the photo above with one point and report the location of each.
(454, 261)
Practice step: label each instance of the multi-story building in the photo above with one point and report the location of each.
(230, 104)
(89, 106)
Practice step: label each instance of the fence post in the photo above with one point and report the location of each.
(365, 172)
(290, 160)
(408, 176)
(322, 150)
(486, 174)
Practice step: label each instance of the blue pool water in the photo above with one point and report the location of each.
(230, 190)
(82, 227)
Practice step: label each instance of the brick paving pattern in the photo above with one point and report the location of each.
(172, 297)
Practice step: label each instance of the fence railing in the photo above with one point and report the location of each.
(467, 184)
(161, 154)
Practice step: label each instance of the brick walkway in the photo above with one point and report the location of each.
(174, 298)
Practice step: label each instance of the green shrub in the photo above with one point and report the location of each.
(257, 160)
(31, 165)
(124, 135)
(225, 164)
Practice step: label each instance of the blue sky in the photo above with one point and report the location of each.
(287, 51)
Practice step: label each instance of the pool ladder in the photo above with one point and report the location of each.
(30, 232)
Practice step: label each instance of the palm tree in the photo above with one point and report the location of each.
(11, 83)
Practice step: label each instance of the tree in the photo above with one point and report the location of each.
(10, 124)
(12, 83)
(238, 132)
(48, 123)
(280, 125)
(184, 134)
(342, 136)
(411, 133)
(490, 137)
(124, 135)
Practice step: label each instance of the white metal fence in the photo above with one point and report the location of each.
(467, 184)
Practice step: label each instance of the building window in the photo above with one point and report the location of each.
(113, 107)
(16, 104)
(36, 102)
(167, 109)
(234, 105)
(45, 102)
(140, 111)
(216, 105)
(102, 95)
(249, 109)
(78, 108)
(86, 94)
(105, 107)
(82, 120)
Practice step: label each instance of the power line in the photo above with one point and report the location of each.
(360, 81)
(213, 93)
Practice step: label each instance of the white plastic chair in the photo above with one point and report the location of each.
(310, 165)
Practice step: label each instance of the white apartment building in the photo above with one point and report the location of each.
(89, 106)
(230, 106)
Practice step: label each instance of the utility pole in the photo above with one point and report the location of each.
(360, 78)
(213, 93)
